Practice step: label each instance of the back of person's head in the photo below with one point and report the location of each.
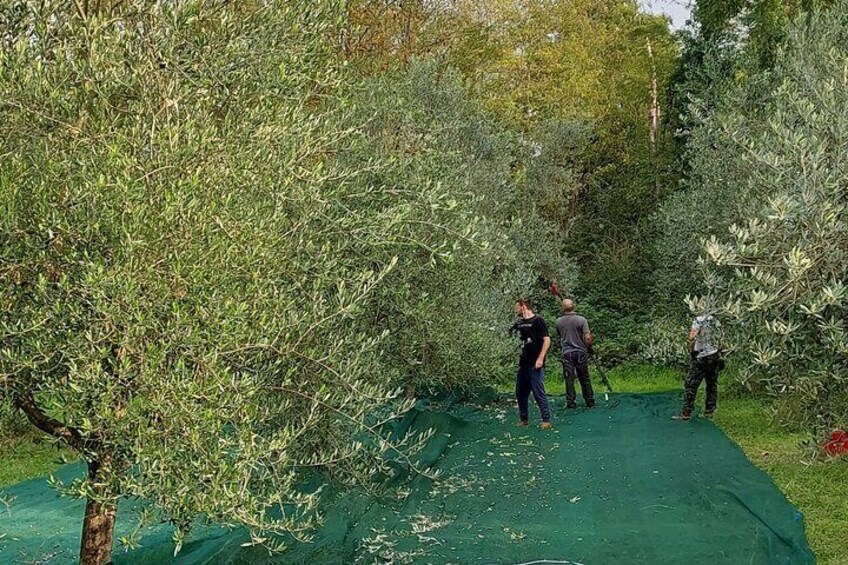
(568, 305)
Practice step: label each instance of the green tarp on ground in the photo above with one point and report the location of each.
(618, 484)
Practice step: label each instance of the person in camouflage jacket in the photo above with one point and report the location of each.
(706, 363)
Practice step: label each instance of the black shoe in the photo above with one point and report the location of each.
(708, 415)
(590, 405)
(570, 406)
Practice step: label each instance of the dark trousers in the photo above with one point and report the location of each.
(532, 380)
(575, 365)
(703, 369)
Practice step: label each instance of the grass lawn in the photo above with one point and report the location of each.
(26, 457)
(819, 489)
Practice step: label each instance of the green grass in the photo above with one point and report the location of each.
(26, 457)
(624, 378)
(817, 488)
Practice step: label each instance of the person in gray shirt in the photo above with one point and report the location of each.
(575, 342)
(706, 365)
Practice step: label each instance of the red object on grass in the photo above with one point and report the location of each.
(838, 444)
(554, 289)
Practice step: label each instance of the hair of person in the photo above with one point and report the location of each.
(524, 302)
(568, 305)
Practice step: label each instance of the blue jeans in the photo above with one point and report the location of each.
(532, 380)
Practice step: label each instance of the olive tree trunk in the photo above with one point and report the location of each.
(97, 527)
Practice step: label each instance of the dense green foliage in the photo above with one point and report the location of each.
(446, 323)
(577, 77)
(718, 91)
(761, 25)
(176, 244)
(574, 80)
(782, 273)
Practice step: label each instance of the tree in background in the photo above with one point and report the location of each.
(422, 120)
(583, 86)
(759, 24)
(720, 87)
(719, 78)
(579, 75)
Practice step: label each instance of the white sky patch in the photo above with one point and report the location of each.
(678, 10)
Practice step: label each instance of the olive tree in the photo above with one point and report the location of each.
(781, 273)
(447, 323)
(190, 268)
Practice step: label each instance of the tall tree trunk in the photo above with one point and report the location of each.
(654, 113)
(98, 525)
(654, 122)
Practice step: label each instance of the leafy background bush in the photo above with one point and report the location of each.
(447, 320)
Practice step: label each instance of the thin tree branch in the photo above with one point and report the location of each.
(48, 425)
